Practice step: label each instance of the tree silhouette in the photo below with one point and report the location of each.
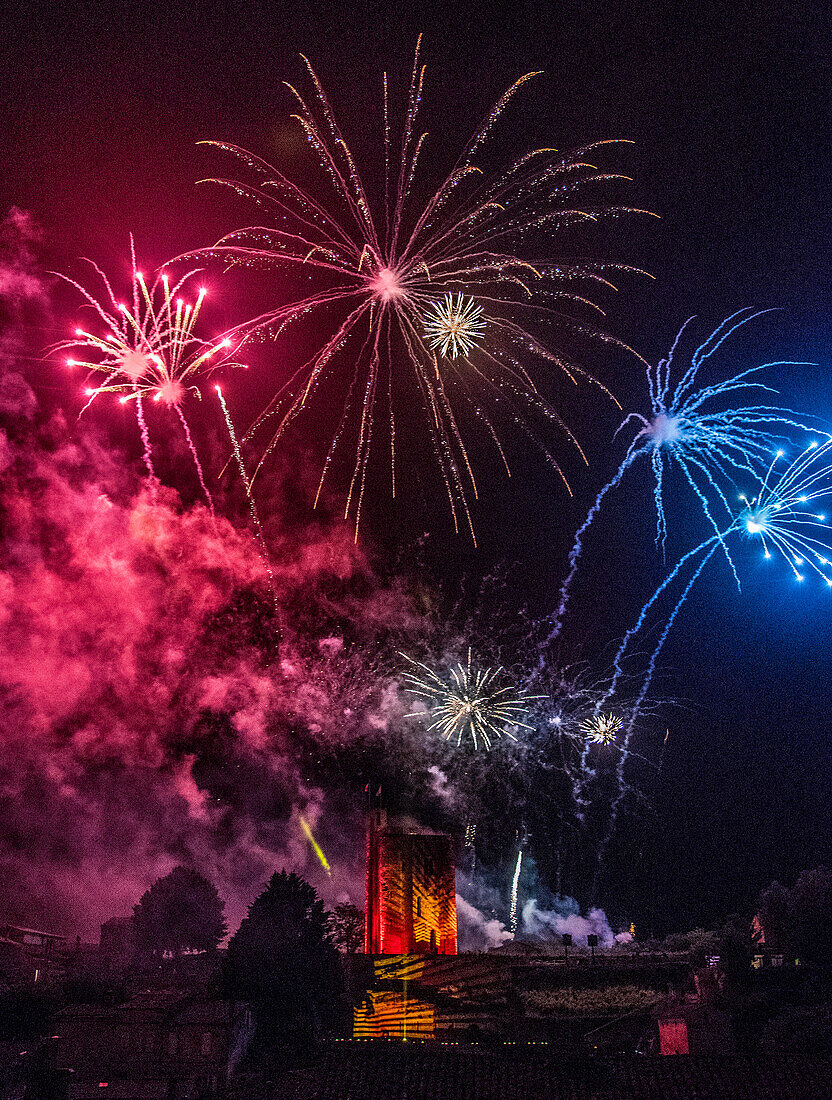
(735, 947)
(283, 962)
(347, 927)
(180, 912)
(775, 916)
(811, 910)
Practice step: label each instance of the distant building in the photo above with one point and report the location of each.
(165, 1045)
(411, 891)
(694, 1023)
(765, 958)
(28, 955)
(116, 944)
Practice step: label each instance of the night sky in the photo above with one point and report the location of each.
(728, 105)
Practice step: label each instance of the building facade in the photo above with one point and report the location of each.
(411, 891)
(160, 1045)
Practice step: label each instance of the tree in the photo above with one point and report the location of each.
(703, 945)
(774, 915)
(811, 908)
(347, 927)
(283, 962)
(180, 912)
(800, 1029)
(735, 952)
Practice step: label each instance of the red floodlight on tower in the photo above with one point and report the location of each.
(411, 892)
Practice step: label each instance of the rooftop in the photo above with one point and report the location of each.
(5, 929)
(394, 1071)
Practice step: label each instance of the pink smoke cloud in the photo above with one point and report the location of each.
(147, 716)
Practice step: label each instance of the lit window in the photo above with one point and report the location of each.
(673, 1036)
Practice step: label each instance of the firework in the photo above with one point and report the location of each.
(454, 326)
(602, 729)
(316, 848)
(711, 448)
(515, 882)
(412, 292)
(252, 504)
(148, 350)
(468, 704)
(778, 515)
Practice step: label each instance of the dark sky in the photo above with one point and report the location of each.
(729, 107)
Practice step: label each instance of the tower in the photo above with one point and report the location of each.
(411, 892)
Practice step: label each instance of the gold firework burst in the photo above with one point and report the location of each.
(454, 325)
(469, 703)
(602, 729)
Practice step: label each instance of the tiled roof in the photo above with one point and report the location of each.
(380, 1071)
(210, 1012)
(160, 1004)
(33, 932)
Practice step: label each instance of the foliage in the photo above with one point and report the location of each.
(180, 912)
(811, 912)
(283, 962)
(735, 948)
(801, 1029)
(702, 945)
(589, 1002)
(800, 918)
(698, 944)
(346, 925)
(774, 915)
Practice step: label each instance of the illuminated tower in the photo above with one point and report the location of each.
(411, 893)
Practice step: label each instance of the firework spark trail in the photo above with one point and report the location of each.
(195, 457)
(316, 848)
(716, 446)
(514, 885)
(618, 670)
(439, 299)
(584, 773)
(572, 713)
(636, 710)
(575, 553)
(252, 506)
(777, 514)
(150, 350)
(471, 847)
(148, 458)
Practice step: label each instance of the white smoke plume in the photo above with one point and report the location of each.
(476, 931)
